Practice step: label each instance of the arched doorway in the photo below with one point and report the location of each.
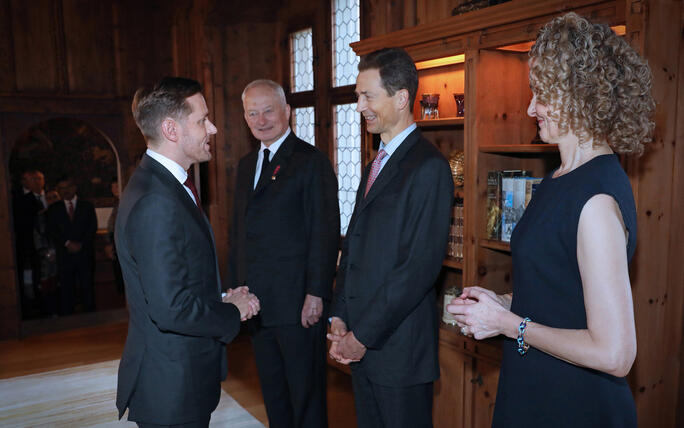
(59, 148)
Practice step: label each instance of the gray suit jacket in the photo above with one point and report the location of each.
(174, 358)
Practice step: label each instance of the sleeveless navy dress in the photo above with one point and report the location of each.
(538, 390)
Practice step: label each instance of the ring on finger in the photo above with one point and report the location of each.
(464, 330)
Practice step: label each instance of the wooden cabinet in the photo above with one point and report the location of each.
(490, 48)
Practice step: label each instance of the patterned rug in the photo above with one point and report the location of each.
(85, 397)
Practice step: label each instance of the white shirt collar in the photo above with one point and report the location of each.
(395, 142)
(273, 148)
(175, 169)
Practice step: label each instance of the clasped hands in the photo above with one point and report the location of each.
(246, 302)
(480, 312)
(345, 348)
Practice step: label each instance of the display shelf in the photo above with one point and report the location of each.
(520, 148)
(495, 245)
(436, 123)
(453, 262)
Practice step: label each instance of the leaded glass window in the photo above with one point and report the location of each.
(301, 46)
(303, 124)
(346, 29)
(348, 144)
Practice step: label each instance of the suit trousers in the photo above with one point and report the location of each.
(379, 406)
(194, 424)
(76, 270)
(291, 361)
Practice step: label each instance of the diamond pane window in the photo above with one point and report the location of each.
(346, 30)
(303, 124)
(301, 56)
(348, 143)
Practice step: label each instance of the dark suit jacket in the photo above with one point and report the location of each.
(82, 229)
(174, 358)
(25, 209)
(391, 256)
(285, 233)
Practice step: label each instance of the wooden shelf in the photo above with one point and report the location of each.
(495, 245)
(435, 123)
(453, 263)
(520, 148)
(487, 349)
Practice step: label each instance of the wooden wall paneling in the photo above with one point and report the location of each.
(252, 50)
(434, 10)
(221, 183)
(35, 38)
(452, 387)
(89, 47)
(116, 50)
(656, 267)
(484, 381)
(409, 14)
(384, 16)
(677, 231)
(7, 77)
(9, 296)
(676, 275)
(146, 53)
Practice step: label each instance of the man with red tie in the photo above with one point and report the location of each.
(175, 356)
(72, 225)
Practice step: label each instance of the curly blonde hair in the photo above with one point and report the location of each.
(594, 83)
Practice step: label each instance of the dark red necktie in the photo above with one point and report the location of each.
(375, 170)
(191, 185)
(70, 210)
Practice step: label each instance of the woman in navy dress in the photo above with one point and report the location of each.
(569, 323)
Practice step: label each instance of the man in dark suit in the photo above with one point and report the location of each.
(384, 309)
(26, 207)
(72, 225)
(174, 358)
(284, 244)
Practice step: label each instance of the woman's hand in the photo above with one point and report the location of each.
(481, 312)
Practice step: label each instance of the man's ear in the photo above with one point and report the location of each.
(170, 129)
(402, 99)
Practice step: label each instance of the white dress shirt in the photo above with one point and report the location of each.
(175, 169)
(273, 148)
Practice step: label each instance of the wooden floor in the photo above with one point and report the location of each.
(52, 351)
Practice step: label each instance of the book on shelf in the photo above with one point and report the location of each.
(455, 245)
(493, 225)
(508, 193)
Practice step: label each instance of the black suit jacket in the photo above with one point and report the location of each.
(82, 229)
(285, 233)
(25, 208)
(391, 256)
(174, 357)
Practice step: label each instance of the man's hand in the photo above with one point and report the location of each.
(350, 348)
(246, 302)
(312, 310)
(73, 246)
(337, 331)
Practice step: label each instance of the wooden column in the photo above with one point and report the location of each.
(657, 270)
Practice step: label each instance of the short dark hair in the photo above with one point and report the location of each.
(167, 98)
(396, 68)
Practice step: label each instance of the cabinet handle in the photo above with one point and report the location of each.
(477, 380)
